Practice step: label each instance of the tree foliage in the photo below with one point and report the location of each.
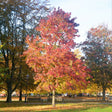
(17, 19)
(98, 55)
(50, 53)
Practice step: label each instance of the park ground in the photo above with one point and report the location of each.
(16, 106)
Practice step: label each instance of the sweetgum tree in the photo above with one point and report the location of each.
(98, 56)
(50, 56)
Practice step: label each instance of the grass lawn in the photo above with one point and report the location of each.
(97, 109)
(16, 106)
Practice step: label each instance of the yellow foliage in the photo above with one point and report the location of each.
(77, 53)
(93, 88)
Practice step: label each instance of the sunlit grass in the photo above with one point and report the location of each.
(68, 107)
(22, 107)
(17, 106)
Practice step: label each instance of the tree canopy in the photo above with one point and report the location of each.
(50, 56)
(17, 19)
(98, 55)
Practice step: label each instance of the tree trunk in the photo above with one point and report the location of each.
(53, 98)
(103, 94)
(20, 94)
(9, 93)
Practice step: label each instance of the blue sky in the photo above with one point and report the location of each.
(89, 13)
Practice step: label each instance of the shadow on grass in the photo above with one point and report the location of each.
(19, 104)
(13, 104)
(67, 110)
(34, 103)
(84, 109)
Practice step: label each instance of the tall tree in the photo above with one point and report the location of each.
(98, 55)
(17, 18)
(26, 82)
(50, 53)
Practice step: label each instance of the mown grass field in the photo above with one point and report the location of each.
(16, 106)
(67, 107)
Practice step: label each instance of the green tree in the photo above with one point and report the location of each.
(26, 81)
(98, 55)
(17, 19)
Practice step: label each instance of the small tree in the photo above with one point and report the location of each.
(50, 54)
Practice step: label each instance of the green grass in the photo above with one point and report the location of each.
(16, 106)
(97, 109)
